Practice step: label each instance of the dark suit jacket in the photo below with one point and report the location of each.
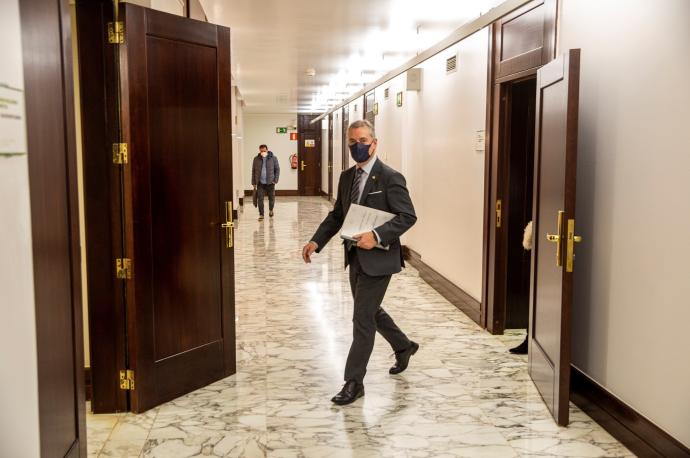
(384, 190)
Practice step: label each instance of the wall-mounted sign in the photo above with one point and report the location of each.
(376, 108)
(281, 130)
(479, 141)
(398, 99)
(308, 143)
(293, 135)
(12, 114)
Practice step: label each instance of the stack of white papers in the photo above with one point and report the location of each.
(360, 219)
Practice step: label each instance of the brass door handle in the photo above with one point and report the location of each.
(570, 247)
(558, 239)
(303, 166)
(228, 225)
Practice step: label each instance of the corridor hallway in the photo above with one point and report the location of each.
(463, 394)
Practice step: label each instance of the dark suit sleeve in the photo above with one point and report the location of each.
(400, 204)
(332, 223)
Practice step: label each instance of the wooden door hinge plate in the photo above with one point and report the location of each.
(123, 268)
(127, 380)
(116, 32)
(120, 153)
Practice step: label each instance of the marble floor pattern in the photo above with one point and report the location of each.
(463, 395)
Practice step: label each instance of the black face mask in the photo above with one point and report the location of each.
(359, 152)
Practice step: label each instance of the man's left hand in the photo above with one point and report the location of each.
(366, 241)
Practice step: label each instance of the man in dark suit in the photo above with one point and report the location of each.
(373, 184)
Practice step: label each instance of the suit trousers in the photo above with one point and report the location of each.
(263, 189)
(369, 317)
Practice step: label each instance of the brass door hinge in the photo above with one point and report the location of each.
(120, 154)
(127, 380)
(123, 268)
(498, 213)
(116, 32)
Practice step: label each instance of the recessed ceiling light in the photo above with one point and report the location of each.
(310, 72)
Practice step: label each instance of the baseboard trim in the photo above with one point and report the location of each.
(279, 192)
(455, 295)
(88, 383)
(323, 194)
(637, 433)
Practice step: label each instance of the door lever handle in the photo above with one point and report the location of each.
(228, 225)
(570, 247)
(558, 239)
(303, 166)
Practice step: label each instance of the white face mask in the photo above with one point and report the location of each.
(264, 153)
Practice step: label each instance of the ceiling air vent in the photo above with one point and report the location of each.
(385, 93)
(452, 64)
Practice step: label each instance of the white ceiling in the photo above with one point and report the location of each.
(348, 42)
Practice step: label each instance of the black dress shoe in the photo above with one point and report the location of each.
(349, 394)
(520, 349)
(402, 358)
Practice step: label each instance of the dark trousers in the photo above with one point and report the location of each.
(368, 318)
(262, 190)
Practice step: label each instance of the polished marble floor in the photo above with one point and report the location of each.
(463, 395)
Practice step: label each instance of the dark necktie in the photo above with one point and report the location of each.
(354, 192)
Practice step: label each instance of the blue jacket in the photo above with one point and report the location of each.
(272, 169)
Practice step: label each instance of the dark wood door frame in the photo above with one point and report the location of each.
(343, 128)
(52, 159)
(330, 156)
(309, 176)
(98, 67)
(520, 43)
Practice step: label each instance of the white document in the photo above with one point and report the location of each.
(360, 219)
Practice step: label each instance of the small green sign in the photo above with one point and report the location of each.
(281, 130)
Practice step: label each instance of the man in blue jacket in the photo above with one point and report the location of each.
(265, 175)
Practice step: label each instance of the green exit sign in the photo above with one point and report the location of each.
(281, 130)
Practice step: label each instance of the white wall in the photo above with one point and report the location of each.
(19, 426)
(324, 155)
(631, 310)
(261, 129)
(431, 140)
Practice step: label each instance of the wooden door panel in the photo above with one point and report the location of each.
(525, 39)
(183, 149)
(555, 178)
(176, 113)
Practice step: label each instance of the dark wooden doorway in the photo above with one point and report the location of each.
(170, 317)
(519, 105)
(521, 43)
(554, 231)
(345, 150)
(309, 155)
(369, 108)
(330, 156)
(52, 158)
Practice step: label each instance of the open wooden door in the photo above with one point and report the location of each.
(176, 120)
(554, 231)
(330, 156)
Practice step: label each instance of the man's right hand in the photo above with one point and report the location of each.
(308, 250)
